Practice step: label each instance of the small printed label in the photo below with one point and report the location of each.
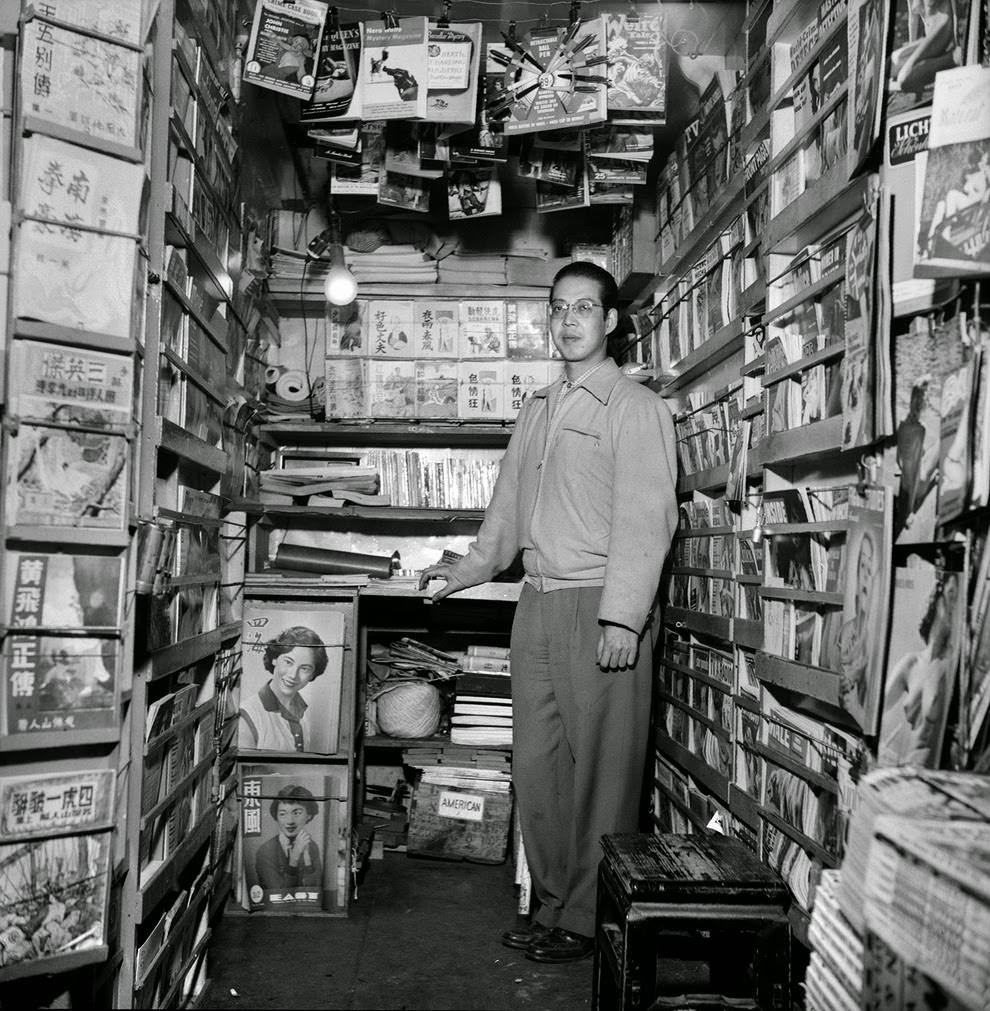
(467, 806)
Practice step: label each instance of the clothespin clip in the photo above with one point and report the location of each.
(869, 472)
(333, 20)
(544, 19)
(390, 20)
(633, 14)
(574, 14)
(444, 20)
(511, 33)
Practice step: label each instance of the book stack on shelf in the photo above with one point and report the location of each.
(430, 358)
(836, 966)
(482, 707)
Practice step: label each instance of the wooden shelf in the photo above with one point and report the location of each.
(697, 621)
(807, 596)
(818, 439)
(806, 294)
(181, 365)
(691, 672)
(824, 204)
(207, 326)
(484, 591)
(814, 53)
(706, 721)
(401, 514)
(748, 633)
(290, 300)
(177, 441)
(683, 806)
(159, 742)
(35, 124)
(792, 765)
(36, 330)
(686, 570)
(81, 536)
(45, 739)
(436, 740)
(713, 781)
(725, 343)
(816, 682)
(744, 807)
(704, 480)
(166, 875)
(388, 433)
(805, 842)
(825, 354)
(54, 963)
(184, 654)
(703, 532)
(711, 224)
(821, 526)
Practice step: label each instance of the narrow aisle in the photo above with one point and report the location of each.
(423, 936)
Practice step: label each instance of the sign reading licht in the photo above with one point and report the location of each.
(467, 806)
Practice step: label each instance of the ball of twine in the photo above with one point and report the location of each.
(409, 709)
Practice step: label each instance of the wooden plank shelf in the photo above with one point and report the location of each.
(55, 963)
(725, 343)
(713, 781)
(818, 439)
(748, 633)
(819, 357)
(806, 596)
(76, 536)
(711, 224)
(744, 807)
(720, 686)
(792, 765)
(292, 297)
(42, 740)
(184, 654)
(707, 721)
(683, 806)
(703, 480)
(696, 621)
(815, 53)
(805, 842)
(208, 326)
(165, 876)
(702, 532)
(687, 570)
(186, 446)
(388, 433)
(37, 330)
(819, 526)
(821, 207)
(806, 294)
(402, 514)
(816, 682)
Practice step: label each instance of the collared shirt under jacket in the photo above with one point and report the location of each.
(587, 492)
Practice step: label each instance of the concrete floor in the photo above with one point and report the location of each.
(422, 936)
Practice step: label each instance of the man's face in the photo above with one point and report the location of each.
(292, 818)
(577, 339)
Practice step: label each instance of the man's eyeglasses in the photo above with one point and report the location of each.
(582, 308)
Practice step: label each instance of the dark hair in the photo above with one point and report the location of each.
(287, 640)
(587, 271)
(295, 793)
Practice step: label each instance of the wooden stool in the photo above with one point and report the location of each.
(671, 903)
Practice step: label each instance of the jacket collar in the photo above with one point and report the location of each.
(600, 384)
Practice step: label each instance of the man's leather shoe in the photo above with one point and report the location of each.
(561, 946)
(523, 937)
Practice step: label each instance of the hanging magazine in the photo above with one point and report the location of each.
(89, 88)
(637, 68)
(867, 27)
(291, 684)
(282, 50)
(293, 856)
(335, 94)
(69, 276)
(54, 886)
(954, 220)
(394, 70)
(452, 75)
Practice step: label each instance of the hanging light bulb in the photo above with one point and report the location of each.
(340, 286)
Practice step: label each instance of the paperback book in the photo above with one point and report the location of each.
(637, 68)
(474, 192)
(435, 328)
(452, 76)
(281, 53)
(394, 70)
(392, 389)
(335, 87)
(436, 389)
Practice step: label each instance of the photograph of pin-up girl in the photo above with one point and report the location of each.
(931, 46)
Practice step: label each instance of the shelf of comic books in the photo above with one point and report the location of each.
(189, 448)
(699, 822)
(723, 344)
(714, 782)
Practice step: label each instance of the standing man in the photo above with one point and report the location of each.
(586, 492)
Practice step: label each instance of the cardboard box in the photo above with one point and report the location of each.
(460, 823)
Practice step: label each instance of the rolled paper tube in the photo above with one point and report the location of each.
(272, 375)
(307, 559)
(292, 386)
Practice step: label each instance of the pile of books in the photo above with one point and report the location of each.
(482, 712)
(835, 970)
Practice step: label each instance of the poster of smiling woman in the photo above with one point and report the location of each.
(290, 688)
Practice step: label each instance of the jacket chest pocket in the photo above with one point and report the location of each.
(586, 475)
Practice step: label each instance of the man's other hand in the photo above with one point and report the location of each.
(440, 571)
(618, 648)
